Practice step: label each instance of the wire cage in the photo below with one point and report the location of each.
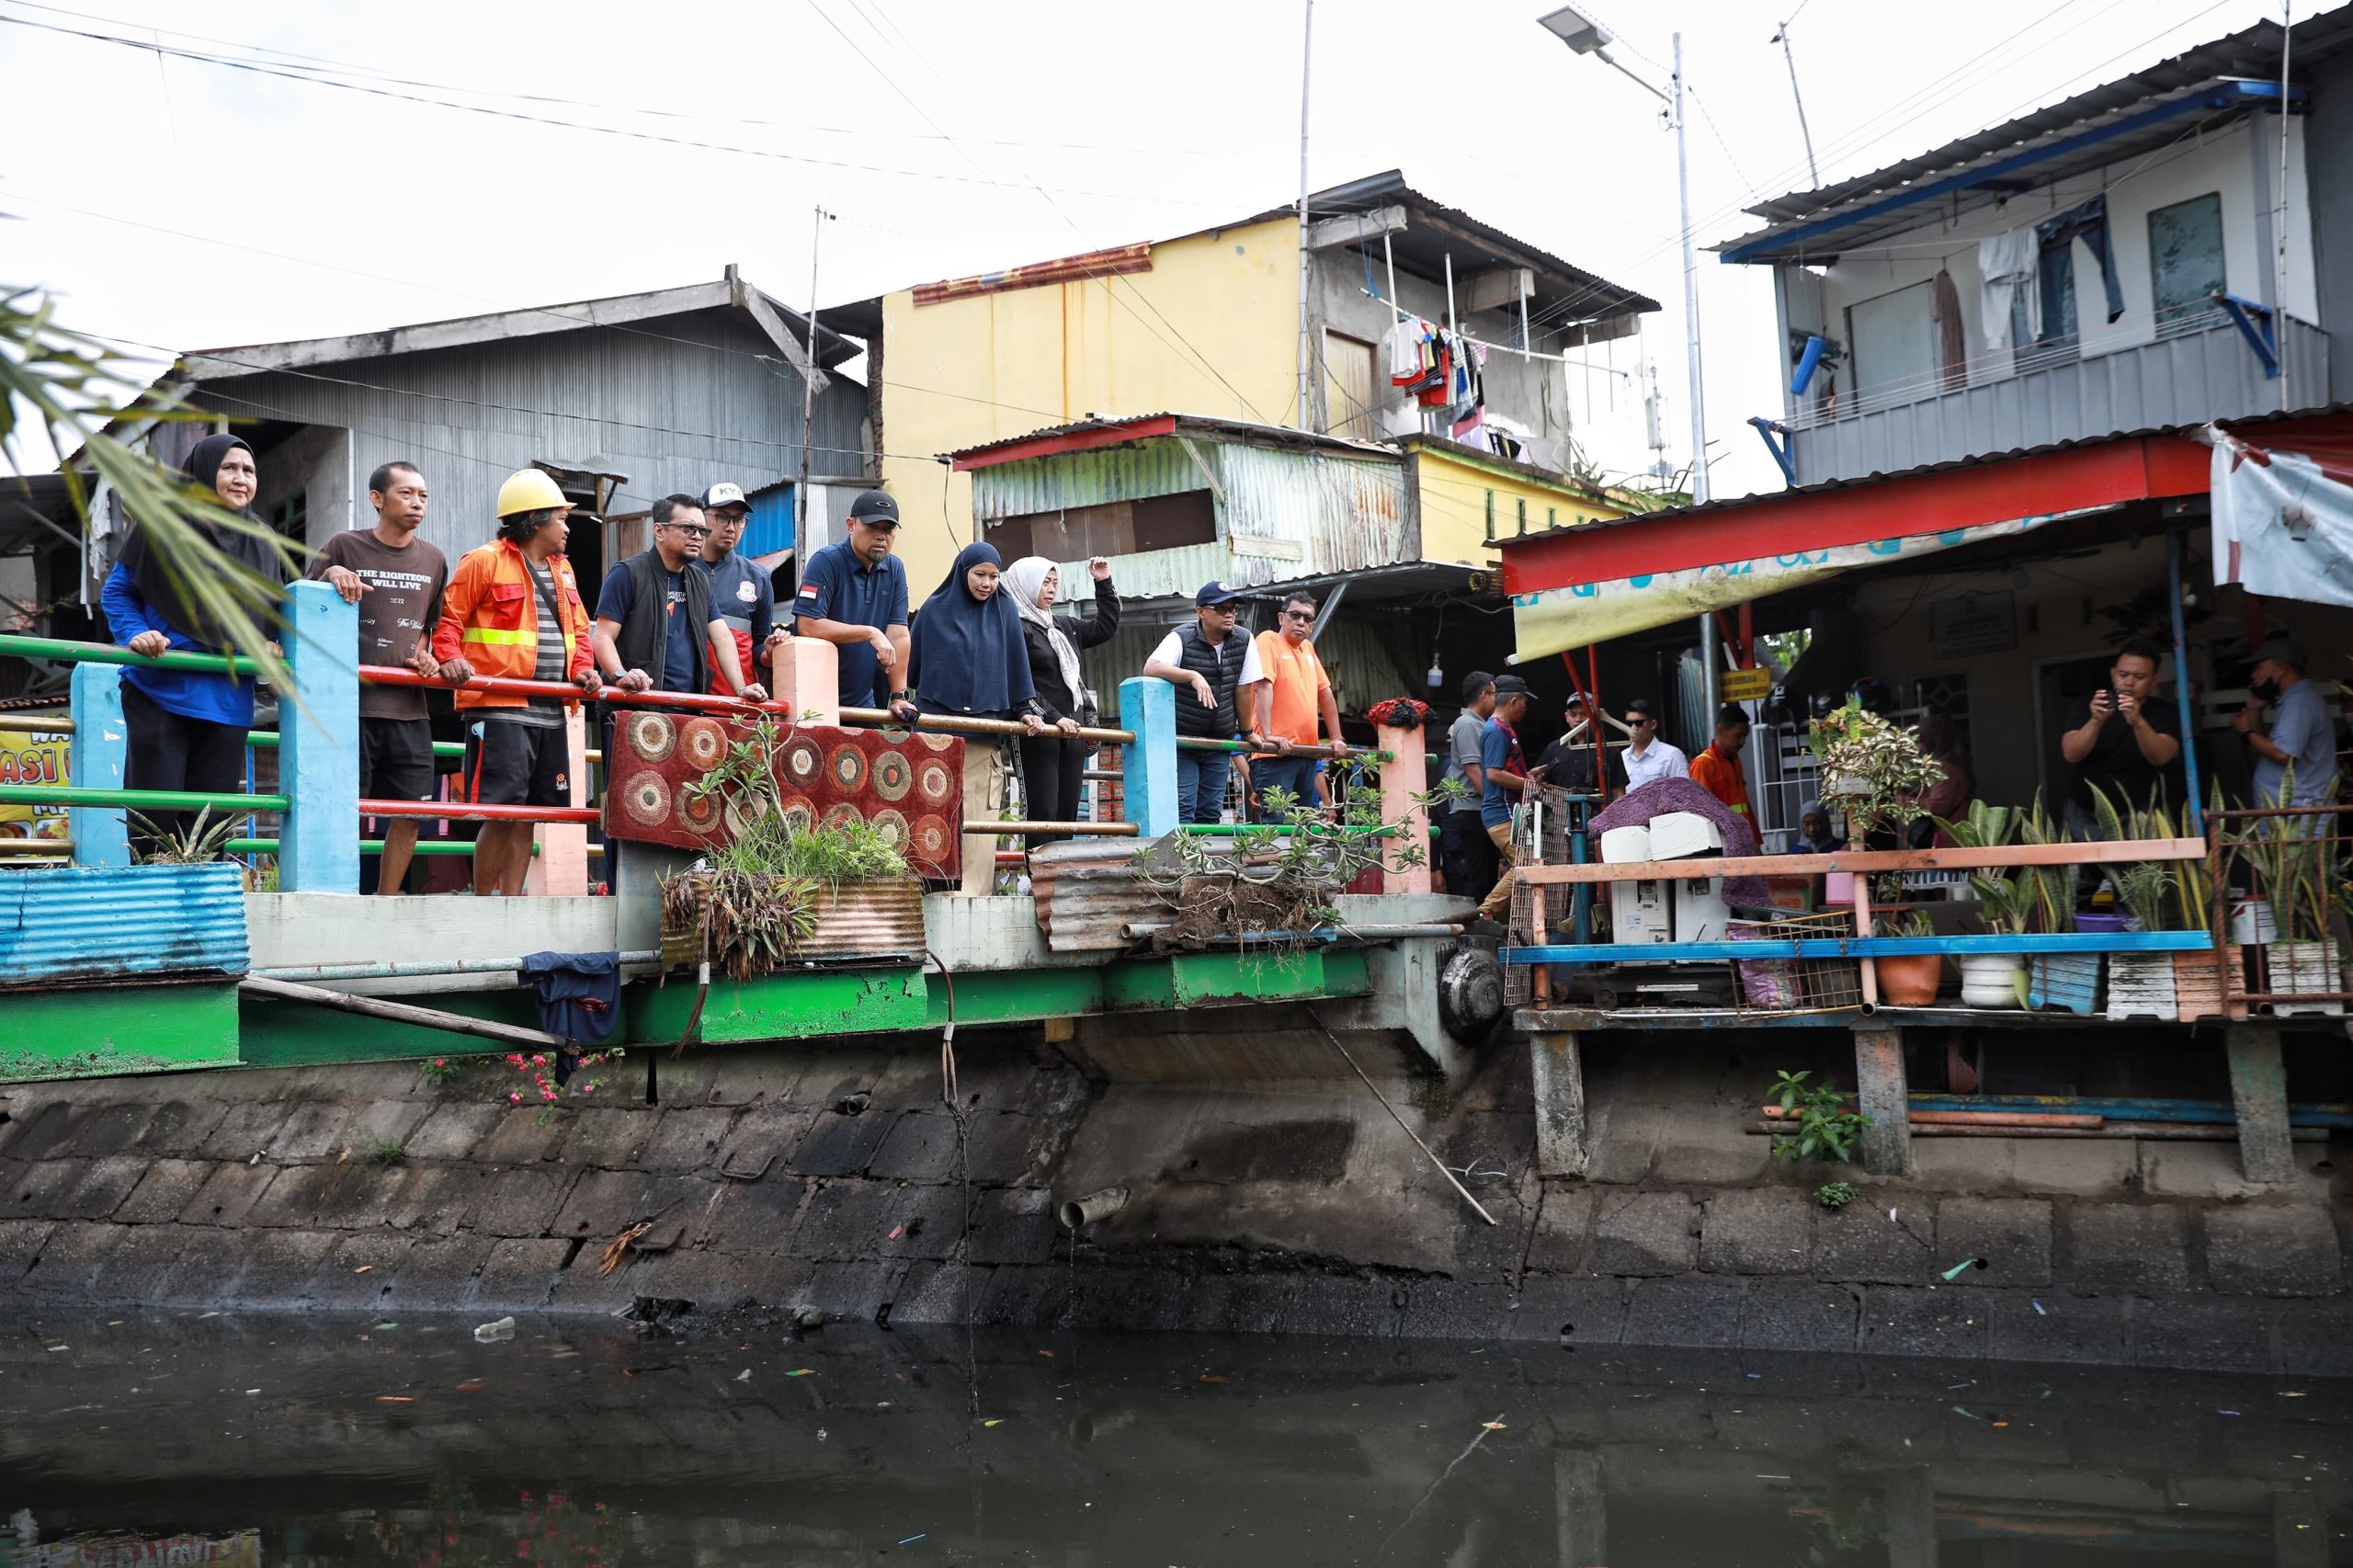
(2278, 881)
(1796, 986)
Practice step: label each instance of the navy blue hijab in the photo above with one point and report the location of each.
(968, 655)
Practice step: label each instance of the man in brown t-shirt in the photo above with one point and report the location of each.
(396, 580)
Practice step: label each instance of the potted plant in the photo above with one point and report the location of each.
(782, 888)
(1878, 769)
(2290, 868)
(2009, 905)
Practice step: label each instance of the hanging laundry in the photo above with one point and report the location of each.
(2056, 237)
(2008, 263)
(1952, 342)
(1407, 363)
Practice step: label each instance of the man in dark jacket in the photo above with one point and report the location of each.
(653, 613)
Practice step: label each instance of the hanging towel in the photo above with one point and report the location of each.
(1405, 352)
(2008, 263)
(1952, 342)
(580, 994)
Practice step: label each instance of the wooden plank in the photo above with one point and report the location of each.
(1880, 1091)
(2000, 857)
(402, 1013)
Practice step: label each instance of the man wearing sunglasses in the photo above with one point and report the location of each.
(1294, 692)
(1647, 759)
(653, 616)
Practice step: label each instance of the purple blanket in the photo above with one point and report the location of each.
(1666, 795)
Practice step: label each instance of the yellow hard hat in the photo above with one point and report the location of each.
(528, 490)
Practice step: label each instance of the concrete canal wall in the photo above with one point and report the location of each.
(1269, 1190)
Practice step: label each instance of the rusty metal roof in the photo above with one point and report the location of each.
(1087, 891)
(1152, 427)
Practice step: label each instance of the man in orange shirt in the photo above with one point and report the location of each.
(1718, 771)
(1292, 692)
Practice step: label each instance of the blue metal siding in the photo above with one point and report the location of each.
(85, 923)
(771, 524)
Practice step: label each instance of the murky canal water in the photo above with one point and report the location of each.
(133, 1440)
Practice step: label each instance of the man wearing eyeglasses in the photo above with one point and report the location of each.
(1294, 692)
(1647, 759)
(653, 618)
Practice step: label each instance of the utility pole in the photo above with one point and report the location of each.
(1699, 490)
(808, 410)
(1306, 258)
(1814, 171)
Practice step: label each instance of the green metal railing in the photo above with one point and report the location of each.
(106, 653)
(139, 800)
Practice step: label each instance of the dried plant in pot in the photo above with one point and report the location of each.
(1273, 881)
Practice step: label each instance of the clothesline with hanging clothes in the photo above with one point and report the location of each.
(1403, 314)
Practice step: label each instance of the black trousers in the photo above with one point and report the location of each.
(1051, 770)
(1467, 856)
(168, 751)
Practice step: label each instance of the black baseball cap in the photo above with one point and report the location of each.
(1214, 593)
(1509, 686)
(874, 506)
(2281, 649)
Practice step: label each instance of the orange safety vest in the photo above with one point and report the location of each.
(490, 615)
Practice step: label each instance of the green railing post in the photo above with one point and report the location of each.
(100, 747)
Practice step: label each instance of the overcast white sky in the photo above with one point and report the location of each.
(298, 209)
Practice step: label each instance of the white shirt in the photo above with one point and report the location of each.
(1661, 761)
(1172, 651)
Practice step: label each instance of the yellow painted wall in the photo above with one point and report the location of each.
(1001, 365)
(1452, 494)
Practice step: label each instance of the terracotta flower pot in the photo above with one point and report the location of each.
(1909, 980)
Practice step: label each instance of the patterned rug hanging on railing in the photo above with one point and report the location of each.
(909, 785)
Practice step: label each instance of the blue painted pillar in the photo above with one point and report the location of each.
(96, 758)
(1148, 711)
(318, 746)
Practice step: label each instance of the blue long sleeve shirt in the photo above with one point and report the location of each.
(218, 699)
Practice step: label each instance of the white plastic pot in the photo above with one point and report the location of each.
(1992, 980)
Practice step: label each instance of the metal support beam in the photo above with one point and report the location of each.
(2258, 324)
(1559, 1073)
(1881, 1091)
(2259, 1099)
(1782, 458)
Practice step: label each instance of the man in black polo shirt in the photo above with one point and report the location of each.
(854, 594)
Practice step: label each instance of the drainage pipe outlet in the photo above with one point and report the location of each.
(1080, 1212)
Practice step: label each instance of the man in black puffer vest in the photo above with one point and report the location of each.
(653, 618)
(1208, 663)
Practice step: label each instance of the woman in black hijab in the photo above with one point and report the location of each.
(186, 729)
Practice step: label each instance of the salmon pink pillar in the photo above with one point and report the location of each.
(1403, 780)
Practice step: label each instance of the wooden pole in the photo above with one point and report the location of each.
(402, 1012)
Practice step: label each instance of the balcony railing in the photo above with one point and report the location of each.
(2184, 379)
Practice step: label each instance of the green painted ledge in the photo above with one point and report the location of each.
(103, 1031)
(112, 1030)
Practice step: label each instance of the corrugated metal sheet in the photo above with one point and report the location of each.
(1294, 515)
(2180, 381)
(80, 925)
(854, 920)
(676, 403)
(1086, 889)
(1284, 514)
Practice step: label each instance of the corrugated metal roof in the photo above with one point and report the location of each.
(1208, 427)
(86, 925)
(2254, 52)
(1086, 889)
(1767, 497)
(1434, 230)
